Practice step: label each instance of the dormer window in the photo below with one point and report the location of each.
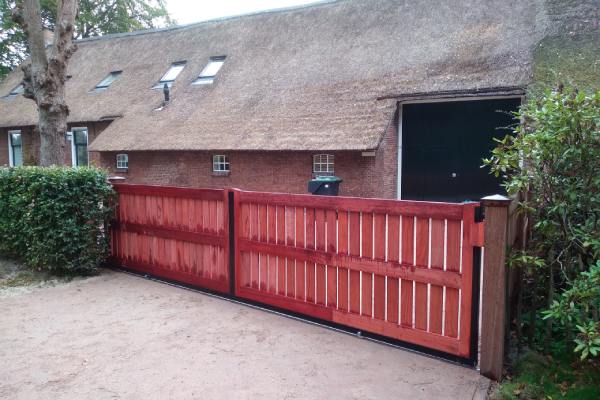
(209, 73)
(106, 82)
(171, 74)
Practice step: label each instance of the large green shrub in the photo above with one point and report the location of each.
(553, 160)
(55, 218)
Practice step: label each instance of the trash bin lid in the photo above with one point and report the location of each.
(327, 178)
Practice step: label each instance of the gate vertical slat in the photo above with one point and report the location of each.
(355, 275)
(342, 248)
(466, 292)
(379, 250)
(331, 246)
(367, 252)
(300, 265)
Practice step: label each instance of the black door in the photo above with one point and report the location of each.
(443, 145)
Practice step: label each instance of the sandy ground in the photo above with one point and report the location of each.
(117, 336)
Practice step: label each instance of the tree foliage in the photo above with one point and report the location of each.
(95, 18)
(553, 161)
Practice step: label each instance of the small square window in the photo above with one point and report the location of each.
(106, 82)
(220, 163)
(122, 161)
(171, 74)
(209, 73)
(323, 164)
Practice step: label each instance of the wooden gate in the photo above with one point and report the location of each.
(401, 269)
(180, 234)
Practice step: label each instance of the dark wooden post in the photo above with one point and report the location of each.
(493, 301)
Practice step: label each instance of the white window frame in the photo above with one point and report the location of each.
(108, 80)
(17, 90)
(207, 76)
(221, 163)
(11, 161)
(323, 164)
(71, 137)
(122, 161)
(180, 65)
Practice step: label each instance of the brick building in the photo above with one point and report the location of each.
(398, 98)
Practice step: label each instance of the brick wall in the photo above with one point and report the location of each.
(387, 161)
(264, 171)
(364, 176)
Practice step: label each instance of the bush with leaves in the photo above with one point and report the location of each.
(55, 219)
(553, 161)
(578, 310)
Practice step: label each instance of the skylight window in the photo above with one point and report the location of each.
(170, 76)
(106, 82)
(209, 73)
(17, 90)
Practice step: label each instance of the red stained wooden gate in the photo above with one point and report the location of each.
(396, 268)
(180, 234)
(400, 269)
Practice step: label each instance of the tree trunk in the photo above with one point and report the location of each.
(52, 142)
(45, 75)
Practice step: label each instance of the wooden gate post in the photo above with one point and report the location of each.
(493, 301)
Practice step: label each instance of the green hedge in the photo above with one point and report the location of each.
(54, 218)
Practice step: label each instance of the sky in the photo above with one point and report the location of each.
(188, 11)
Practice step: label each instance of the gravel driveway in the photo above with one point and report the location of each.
(118, 336)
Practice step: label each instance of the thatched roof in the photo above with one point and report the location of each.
(318, 77)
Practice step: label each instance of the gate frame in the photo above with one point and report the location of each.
(486, 327)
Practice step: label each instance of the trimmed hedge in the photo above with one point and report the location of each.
(54, 218)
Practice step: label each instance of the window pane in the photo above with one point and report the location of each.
(15, 139)
(323, 163)
(122, 161)
(109, 79)
(80, 137)
(17, 90)
(17, 156)
(212, 68)
(82, 155)
(220, 163)
(173, 72)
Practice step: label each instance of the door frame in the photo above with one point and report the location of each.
(436, 100)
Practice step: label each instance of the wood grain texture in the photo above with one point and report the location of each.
(493, 304)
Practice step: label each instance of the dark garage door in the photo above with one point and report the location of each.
(443, 145)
